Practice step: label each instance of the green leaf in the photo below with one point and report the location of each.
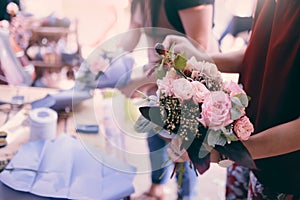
(160, 72)
(187, 143)
(215, 138)
(180, 62)
(235, 113)
(243, 99)
(203, 152)
(236, 108)
(236, 102)
(180, 175)
(229, 135)
(142, 125)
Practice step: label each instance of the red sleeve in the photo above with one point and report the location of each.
(270, 75)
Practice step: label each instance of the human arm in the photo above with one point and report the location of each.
(275, 141)
(200, 27)
(230, 62)
(226, 62)
(132, 36)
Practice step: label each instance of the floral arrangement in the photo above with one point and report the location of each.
(205, 112)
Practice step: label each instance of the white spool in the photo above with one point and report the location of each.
(43, 124)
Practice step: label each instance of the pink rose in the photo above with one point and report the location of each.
(182, 89)
(165, 85)
(243, 128)
(200, 91)
(172, 74)
(233, 88)
(216, 110)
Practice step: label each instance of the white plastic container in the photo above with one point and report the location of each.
(43, 124)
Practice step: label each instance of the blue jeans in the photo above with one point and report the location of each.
(160, 171)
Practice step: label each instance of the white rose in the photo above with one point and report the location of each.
(172, 74)
(191, 63)
(200, 91)
(211, 70)
(182, 89)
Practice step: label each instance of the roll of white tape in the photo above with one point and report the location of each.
(43, 124)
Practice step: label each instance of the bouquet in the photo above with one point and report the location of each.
(196, 105)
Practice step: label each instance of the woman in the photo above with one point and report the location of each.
(269, 70)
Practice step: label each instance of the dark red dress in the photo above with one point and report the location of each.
(271, 76)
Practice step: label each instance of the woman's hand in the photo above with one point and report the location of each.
(183, 44)
(175, 153)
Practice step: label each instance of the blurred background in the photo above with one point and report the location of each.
(51, 38)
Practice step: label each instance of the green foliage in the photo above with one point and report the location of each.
(161, 71)
(215, 137)
(180, 62)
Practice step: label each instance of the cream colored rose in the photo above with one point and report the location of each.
(172, 74)
(182, 89)
(165, 85)
(200, 91)
(211, 70)
(192, 64)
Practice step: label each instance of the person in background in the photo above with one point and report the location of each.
(269, 71)
(236, 34)
(193, 18)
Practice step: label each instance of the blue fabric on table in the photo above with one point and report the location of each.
(63, 168)
(118, 73)
(62, 99)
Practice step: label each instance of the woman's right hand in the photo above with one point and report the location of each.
(182, 44)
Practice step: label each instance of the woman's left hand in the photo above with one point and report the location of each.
(175, 153)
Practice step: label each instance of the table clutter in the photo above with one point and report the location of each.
(38, 162)
(44, 122)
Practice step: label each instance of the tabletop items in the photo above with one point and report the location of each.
(33, 134)
(3, 141)
(10, 65)
(43, 124)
